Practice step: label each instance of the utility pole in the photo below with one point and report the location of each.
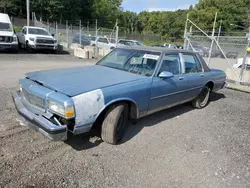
(28, 12)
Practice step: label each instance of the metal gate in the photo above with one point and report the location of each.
(228, 53)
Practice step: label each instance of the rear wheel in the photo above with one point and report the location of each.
(115, 123)
(202, 100)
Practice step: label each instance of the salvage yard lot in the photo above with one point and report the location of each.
(179, 147)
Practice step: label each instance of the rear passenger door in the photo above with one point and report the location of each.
(193, 74)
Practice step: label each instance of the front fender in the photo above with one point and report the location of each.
(87, 107)
(134, 113)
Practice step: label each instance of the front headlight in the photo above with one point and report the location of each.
(31, 39)
(14, 39)
(64, 111)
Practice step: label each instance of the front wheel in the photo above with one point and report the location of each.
(28, 48)
(115, 123)
(203, 98)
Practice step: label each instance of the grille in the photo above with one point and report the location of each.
(45, 41)
(44, 46)
(6, 39)
(33, 99)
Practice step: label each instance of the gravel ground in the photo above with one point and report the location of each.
(180, 147)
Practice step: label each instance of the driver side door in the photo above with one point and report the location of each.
(168, 92)
(23, 33)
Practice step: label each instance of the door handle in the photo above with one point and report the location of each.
(202, 75)
(181, 78)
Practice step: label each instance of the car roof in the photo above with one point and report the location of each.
(4, 18)
(158, 49)
(31, 27)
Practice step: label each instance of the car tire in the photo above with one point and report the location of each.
(115, 123)
(54, 51)
(28, 49)
(203, 98)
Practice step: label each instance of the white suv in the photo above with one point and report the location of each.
(8, 38)
(101, 42)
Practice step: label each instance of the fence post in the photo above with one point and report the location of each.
(56, 31)
(116, 35)
(67, 33)
(96, 29)
(245, 57)
(244, 62)
(212, 44)
(88, 27)
(185, 34)
(80, 32)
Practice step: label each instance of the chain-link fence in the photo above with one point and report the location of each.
(221, 51)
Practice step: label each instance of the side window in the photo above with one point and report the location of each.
(92, 38)
(171, 63)
(105, 40)
(192, 64)
(24, 31)
(99, 40)
(121, 42)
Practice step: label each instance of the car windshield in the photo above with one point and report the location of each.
(93, 38)
(35, 31)
(140, 62)
(5, 26)
(138, 43)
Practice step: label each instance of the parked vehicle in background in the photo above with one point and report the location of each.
(101, 42)
(8, 38)
(179, 47)
(172, 46)
(202, 50)
(240, 63)
(36, 38)
(119, 44)
(85, 40)
(232, 54)
(127, 42)
(157, 45)
(127, 84)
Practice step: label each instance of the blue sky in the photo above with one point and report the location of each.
(152, 5)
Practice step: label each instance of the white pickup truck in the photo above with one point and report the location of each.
(36, 38)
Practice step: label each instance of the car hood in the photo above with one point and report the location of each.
(6, 33)
(77, 80)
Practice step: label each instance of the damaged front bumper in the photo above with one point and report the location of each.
(38, 122)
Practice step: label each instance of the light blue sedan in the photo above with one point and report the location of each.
(127, 84)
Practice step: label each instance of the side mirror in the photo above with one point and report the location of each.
(166, 74)
(52, 34)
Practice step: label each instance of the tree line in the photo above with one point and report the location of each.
(169, 25)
